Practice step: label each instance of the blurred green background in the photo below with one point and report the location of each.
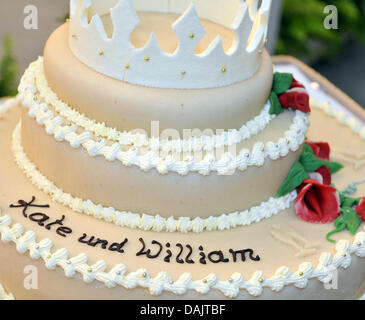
(302, 33)
(337, 54)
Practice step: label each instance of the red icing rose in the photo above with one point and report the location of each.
(360, 209)
(321, 149)
(296, 99)
(317, 203)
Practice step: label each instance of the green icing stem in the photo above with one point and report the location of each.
(340, 226)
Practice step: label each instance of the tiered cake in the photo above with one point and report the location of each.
(156, 162)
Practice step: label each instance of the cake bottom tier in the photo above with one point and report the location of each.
(75, 256)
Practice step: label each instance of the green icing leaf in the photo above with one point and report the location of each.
(348, 201)
(312, 163)
(351, 218)
(334, 166)
(282, 82)
(275, 106)
(307, 148)
(296, 176)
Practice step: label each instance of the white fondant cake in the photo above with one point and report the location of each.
(179, 167)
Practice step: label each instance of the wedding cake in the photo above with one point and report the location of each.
(153, 153)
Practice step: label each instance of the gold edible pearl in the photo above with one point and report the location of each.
(147, 59)
(301, 273)
(49, 256)
(127, 66)
(192, 35)
(224, 69)
(205, 281)
(182, 74)
(89, 270)
(344, 254)
(261, 280)
(101, 52)
(144, 274)
(74, 36)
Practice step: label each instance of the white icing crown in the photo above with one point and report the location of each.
(118, 58)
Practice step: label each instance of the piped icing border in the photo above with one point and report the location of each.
(9, 104)
(4, 295)
(145, 222)
(350, 122)
(34, 83)
(118, 276)
(151, 159)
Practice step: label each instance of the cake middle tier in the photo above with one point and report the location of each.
(130, 189)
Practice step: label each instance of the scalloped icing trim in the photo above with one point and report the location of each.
(292, 140)
(34, 81)
(145, 222)
(4, 295)
(118, 276)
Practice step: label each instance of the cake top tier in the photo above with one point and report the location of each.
(101, 37)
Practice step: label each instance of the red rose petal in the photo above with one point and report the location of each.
(326, 175)
(295, 100)
(312, 202)
(296, 84)
(286, 100)
(321, 149)
(360, 209)
(302, 102)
